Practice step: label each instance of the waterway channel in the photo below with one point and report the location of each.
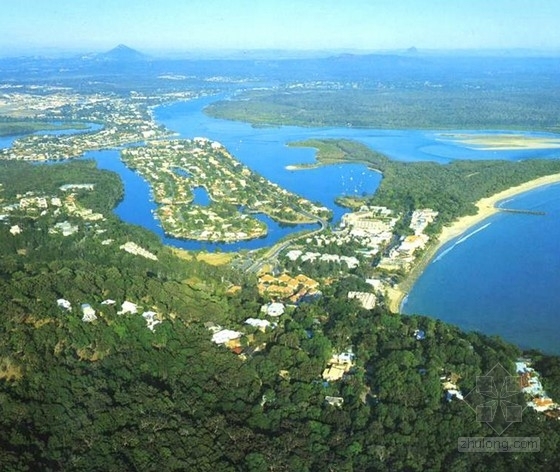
(442, 290)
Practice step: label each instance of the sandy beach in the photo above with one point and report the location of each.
(486, 208)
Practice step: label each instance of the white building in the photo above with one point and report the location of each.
(366, 299)
(273, 309)
(151, 320)
(225, 335)
(128, 307)
(88, 313)
(63, 303)
(376, 284)
(258, 323)
(334, 401)
(294, 254)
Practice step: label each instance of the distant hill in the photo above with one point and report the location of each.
(121, 54)
(124, 53)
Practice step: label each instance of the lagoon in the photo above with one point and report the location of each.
(201, 196)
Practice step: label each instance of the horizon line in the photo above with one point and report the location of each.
(161, 52)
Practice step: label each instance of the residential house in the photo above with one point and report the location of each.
(366, 299)
(88, 313)
(65, 304)
(334, 401)
(225, 335)
(151, 320)
(258, 323)
(128, 307)
(273, 309)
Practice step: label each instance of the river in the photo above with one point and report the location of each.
(501, 278)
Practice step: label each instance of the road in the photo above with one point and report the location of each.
(273, 252)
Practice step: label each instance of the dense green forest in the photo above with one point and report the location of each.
(399, 107)
(451, 189)
(112, 395)
(17, 126)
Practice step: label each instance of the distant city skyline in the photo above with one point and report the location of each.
(174, 25)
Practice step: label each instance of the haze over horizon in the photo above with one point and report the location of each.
(31, 26)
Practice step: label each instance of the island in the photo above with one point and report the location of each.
(14, 126)
(175, 168)
(503, 141)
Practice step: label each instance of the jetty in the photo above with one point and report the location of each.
(526, 212)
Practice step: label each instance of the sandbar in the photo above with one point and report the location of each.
(504, 142)
(486, 208)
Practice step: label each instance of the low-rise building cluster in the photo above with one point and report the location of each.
(287, 287)
(34, 206)
(89, 314)
(531, 386)
(296, 254)
(403, 256)
(125, 120)
(137, 250)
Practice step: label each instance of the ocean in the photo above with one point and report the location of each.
(501, 277)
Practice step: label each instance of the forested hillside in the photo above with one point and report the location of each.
(113, 395)
(408, 104)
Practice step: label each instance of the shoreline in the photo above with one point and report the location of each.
(487, 207)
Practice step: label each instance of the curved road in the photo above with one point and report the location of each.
(272, 253)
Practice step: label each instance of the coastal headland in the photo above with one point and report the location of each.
(486, 207)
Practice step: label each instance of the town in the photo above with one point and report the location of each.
(109, 121)
(176, 168)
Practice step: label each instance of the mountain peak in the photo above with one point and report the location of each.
(123, 53)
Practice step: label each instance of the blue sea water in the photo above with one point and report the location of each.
(501, 277)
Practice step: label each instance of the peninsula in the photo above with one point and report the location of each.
(175, 168)
(118, 121)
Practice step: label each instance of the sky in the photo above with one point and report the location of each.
(182, 25)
